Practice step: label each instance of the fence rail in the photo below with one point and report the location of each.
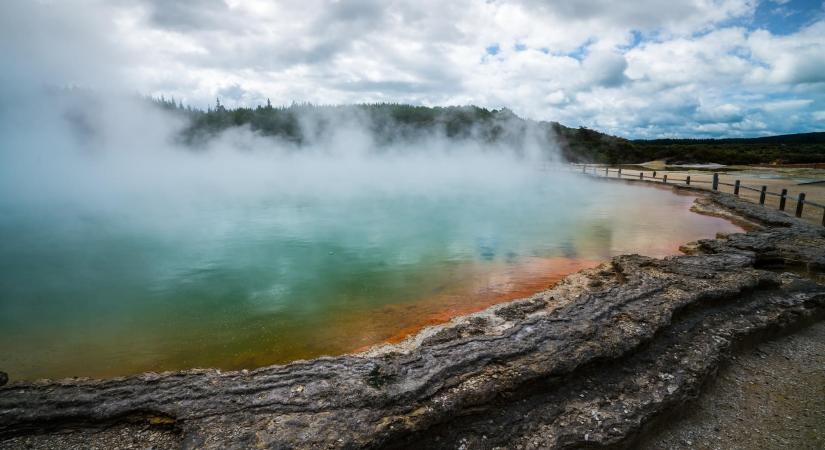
(714, 182)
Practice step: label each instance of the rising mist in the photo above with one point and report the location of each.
(75, 149)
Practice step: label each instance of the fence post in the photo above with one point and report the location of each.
(715, 181)
(620, 173)
(654, 174)
(584, 167)
(762, 195)
(664, 178)
(687, 180)
(800, 203)
(605, 172)
(782, 197)
(736, 188)
(641, 175)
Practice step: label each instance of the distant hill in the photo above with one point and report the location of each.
(799, 138)
(385, 123)
(788, 148)
(584, 145)
(393, 123)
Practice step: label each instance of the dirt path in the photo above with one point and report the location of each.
(702, 179)
(769, 397)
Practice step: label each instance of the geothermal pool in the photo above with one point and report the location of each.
(245, 282)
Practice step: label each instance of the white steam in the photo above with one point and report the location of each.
(85, 152)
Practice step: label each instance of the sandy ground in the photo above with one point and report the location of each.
(754, 178)
(769, 397)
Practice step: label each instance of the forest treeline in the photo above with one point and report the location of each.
(392, 123)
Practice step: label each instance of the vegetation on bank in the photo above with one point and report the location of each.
(391, 123)
(386, 123)
(784, 149)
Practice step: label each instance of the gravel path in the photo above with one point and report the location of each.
(769, 397)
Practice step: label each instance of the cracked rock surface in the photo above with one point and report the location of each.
(593, 361)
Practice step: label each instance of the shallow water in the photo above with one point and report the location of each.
(245, 283)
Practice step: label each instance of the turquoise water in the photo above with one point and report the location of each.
(245, 281)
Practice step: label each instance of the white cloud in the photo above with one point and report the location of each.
(797, 58)
(642, 68)
(785, 105)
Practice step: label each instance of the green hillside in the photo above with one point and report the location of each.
(394, 123)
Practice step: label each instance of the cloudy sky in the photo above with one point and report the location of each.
(644, 68)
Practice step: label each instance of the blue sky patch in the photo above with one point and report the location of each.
(786, 18)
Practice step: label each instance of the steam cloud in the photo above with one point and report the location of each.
(84, 151)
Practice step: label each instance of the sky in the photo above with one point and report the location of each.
(638, 69)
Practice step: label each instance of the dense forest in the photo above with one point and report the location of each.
(392, 123)
(785, 149)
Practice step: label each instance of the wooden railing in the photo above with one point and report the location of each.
(714, 183)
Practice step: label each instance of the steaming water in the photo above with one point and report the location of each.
(243, 283)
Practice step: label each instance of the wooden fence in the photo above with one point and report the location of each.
(714, 183)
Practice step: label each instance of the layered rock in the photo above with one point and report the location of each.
(587, 363)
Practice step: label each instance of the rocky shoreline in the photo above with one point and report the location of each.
(593, 362)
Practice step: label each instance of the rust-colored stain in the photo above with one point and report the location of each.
(483, 290)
